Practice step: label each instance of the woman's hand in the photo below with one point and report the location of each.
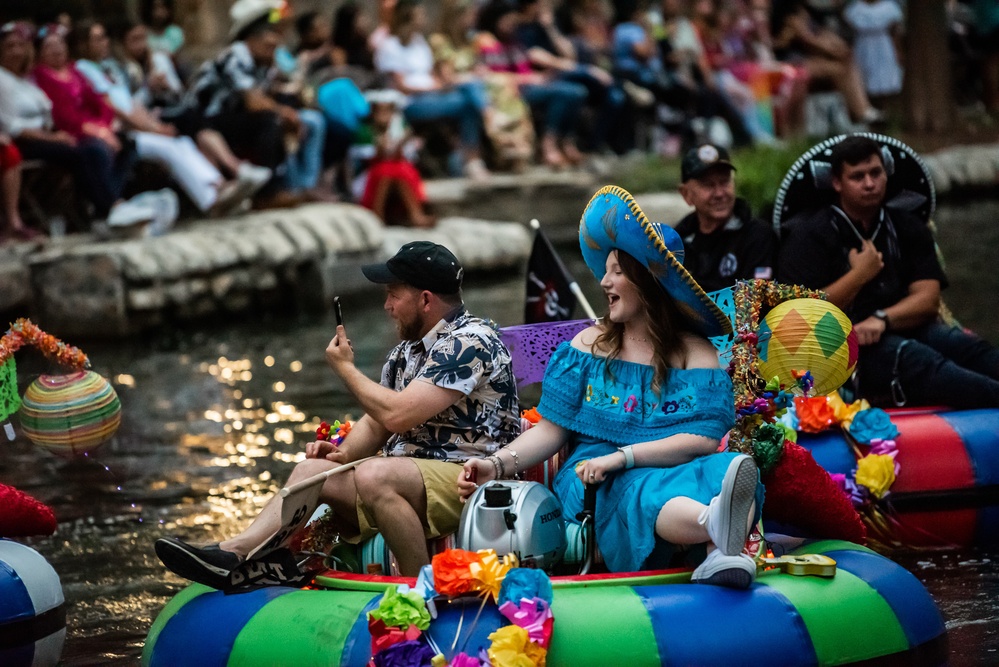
(595, 471)
(473, 473)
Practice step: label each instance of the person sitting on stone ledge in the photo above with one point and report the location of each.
(10, 194)
(447, 394)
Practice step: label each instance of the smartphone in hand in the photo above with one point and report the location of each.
(337, 311)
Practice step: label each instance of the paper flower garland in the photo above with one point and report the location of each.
(334, 433)
(758, 399)
(24, 332)
(524, 596)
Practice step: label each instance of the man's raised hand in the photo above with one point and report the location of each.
(867, 261)
(339, 352)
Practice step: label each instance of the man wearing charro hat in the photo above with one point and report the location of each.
(722, 240)
(447, 394)
(879, 265)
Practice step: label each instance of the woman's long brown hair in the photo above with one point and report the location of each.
(663, 321)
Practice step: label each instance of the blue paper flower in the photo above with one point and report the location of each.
(872, 424)
(523, 582)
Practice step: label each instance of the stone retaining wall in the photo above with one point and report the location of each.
(299, 256)
(958, 168)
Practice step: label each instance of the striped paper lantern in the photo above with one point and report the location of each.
(70, 414)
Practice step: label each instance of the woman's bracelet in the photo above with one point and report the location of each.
(497, 466)
(629, 456)
(516, 460)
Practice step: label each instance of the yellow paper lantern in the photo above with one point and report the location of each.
(807, 335)
(70, 414)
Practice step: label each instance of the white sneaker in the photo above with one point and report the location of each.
(167, 211)
(253, 175)
(726, 518)
(721, 570)
(130, 212)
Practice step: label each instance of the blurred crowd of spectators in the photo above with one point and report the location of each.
(357, 105)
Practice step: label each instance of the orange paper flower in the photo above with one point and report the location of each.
(531, 415)
(814, 414)
(452, 574)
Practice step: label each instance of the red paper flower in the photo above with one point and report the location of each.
(323, 432)
(383, 636)
(452, 572)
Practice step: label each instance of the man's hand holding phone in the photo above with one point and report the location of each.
(338, 352)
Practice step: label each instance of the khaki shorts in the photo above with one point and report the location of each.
(440, 480)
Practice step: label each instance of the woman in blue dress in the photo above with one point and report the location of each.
(642, 403)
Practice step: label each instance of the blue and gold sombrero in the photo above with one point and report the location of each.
(613, 221)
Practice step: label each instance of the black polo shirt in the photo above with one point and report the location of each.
(743, 249)
(815, 247)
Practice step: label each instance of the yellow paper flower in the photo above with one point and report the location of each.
(877, 473)
(512, 647)
(845, 413)
(488, 573)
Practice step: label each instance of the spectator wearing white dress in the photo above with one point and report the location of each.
(876, 25)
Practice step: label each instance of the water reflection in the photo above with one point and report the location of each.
(213, 422)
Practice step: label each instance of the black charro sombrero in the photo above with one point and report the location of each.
(807, 186)
(613, 221)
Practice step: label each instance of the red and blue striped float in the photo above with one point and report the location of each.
(947, 490)
(872, 611)
(32, 610)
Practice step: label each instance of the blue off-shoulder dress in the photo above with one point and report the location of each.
(609, 403)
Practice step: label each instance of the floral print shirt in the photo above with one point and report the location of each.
(464, 353)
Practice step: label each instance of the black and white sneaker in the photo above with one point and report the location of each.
(726, 518)
(729, 571)
(209, 565)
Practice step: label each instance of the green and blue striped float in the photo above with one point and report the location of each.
(873, 611)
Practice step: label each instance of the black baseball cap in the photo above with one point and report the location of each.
(420, 264)
(699, 160)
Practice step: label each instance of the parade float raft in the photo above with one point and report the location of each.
(871, 611)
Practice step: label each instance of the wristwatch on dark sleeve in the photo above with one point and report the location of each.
(883, 316)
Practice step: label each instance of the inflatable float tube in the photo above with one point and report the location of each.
(947, 490)
(872, 611)
(32, 608)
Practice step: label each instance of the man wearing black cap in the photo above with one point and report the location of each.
(722, 241)
(447, 394)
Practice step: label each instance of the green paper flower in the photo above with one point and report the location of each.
(402, 610)
(768, 446)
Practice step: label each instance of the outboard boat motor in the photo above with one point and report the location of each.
(523, 518)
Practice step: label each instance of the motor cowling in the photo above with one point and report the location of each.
(523, 518)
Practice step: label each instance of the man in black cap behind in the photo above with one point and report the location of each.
(447, 394)
(722, 241)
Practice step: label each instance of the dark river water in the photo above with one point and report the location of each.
(213, 421)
